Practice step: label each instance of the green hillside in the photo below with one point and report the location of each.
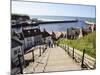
(88, 43)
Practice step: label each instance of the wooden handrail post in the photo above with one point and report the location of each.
(43, 49)
(33, 55)
(94, 66)
(20, 65)
(82, 64)
(40, 50)
(65, 47)
(68, 49)
(73, 52)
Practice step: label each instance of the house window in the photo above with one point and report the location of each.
(13, 23)
(18, 50)
(28, 39)
(15, 52)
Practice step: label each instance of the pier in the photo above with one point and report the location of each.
(23, 24)
(60, 21)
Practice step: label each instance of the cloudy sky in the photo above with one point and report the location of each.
(34, 8)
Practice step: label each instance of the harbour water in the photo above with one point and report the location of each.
(62, 26)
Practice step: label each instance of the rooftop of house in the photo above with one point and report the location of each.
(31, 32)
(19, 16)
(73, 31)
(23, 24)
(21, 37)
(45, 34)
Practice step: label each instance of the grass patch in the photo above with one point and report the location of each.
(87, 42)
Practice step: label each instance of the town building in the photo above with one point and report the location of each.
(16, 50)
(45, 36)
(32, 37)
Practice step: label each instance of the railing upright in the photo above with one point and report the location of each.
(82, 64)
(20, 65)
(68, 49)
(33, 55)
(94, 66)
(43, 49)
(40, 51)
(65, 47)
(73, 52)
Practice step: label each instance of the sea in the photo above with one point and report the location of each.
(61, 27)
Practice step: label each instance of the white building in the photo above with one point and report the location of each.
(16, 49)
(32, 37)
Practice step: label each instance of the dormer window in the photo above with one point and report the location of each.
(34, 30)
(29, 32)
